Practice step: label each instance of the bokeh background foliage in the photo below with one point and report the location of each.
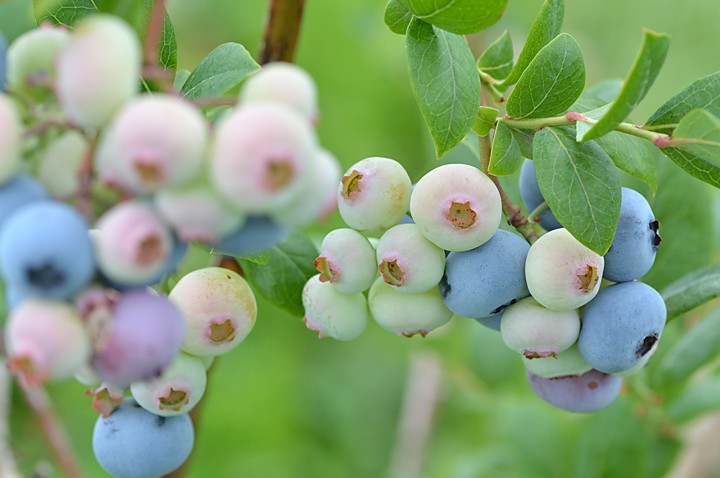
(287, 405)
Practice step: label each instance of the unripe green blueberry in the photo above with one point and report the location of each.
(45, 341)
(374, 194)
(155, 141)
(407, 314)
(408, 261)
(60, 163)
(567, 363)
(263, 157)
(347, 261)
(535, 331)
(456, 206)
(285, 83)
(197, 213)
(318, 200)
(330, 313)
(98, 70)
(10, 139)
(177, 390)
(31, 59)
(561, 273)
(219, 309)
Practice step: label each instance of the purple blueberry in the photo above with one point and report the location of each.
(532, 197)
(134, 443)
(483, 281)
(45, 251)
(586, 393)
(636, 240)
(620, 326)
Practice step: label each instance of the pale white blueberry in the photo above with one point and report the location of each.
(566, 364)
(561, 273)
(31, 59)
(347, 261)
(374, 194)
(59, 165)
(456, 206)
(330, 313)
(11, 139)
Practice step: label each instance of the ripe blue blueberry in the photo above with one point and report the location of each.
(134, 443)
(532, 197)
(483, 281)
(586, 393)
(256, 234)
(621, 325)
(22, 189)
(45, 251)
(636, 240)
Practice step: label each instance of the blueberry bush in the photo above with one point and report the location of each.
(511, 256)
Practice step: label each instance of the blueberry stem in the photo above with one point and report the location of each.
(536, 212)
(55, 433)
(8, 467)
(282, 30)
(513, 214)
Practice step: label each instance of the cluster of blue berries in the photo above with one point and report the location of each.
(102, 189)
(579, 320)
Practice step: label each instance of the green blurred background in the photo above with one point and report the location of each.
(285, 404)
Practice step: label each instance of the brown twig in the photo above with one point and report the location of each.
(85, 180)
(52, 428)
(422, 394)
(153, 32)
(8, 468)
(281, 31)
(513, 214)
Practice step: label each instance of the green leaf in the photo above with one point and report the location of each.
(168, 44)
(703, 93)
(505, 157)
(580, 185)
(485, 120)
(699, 150)
(458, 16)
(552, 81)
(696, 399)
(524, 138)
(63, 12)
(181, 77)
(280, 272)
(397, 17)
(221, 70)
(497, 59)
(546, 27)
(696, 347)
(607, 90)
(633, 155)
(445, 82)
(692, 290)
(642, 75)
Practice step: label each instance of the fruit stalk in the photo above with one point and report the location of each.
(54, 431)
(8, 468)
(281, 31)
(154, 30)
(513, 214)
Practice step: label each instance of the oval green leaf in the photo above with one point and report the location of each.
(692, 290)
(458, 16)
(546, 27)
(445, 82)
(497, 59)
(221, 70)
(280, 272)
(397, 17)
(580, 185)
(698, 146)
(695, 400)
(703, 93)
(642, 75)
(505, 157)
(552, 81)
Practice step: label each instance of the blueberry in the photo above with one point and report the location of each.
(134, 443)
(636, 240)
(483, 281)
(620, 326)
(256, 234)
(45, 251)
(584, 393)
(532, 197)
(20, 190)
(284, 83)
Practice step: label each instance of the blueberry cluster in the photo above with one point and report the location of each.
(101, 191)
(578, 319)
